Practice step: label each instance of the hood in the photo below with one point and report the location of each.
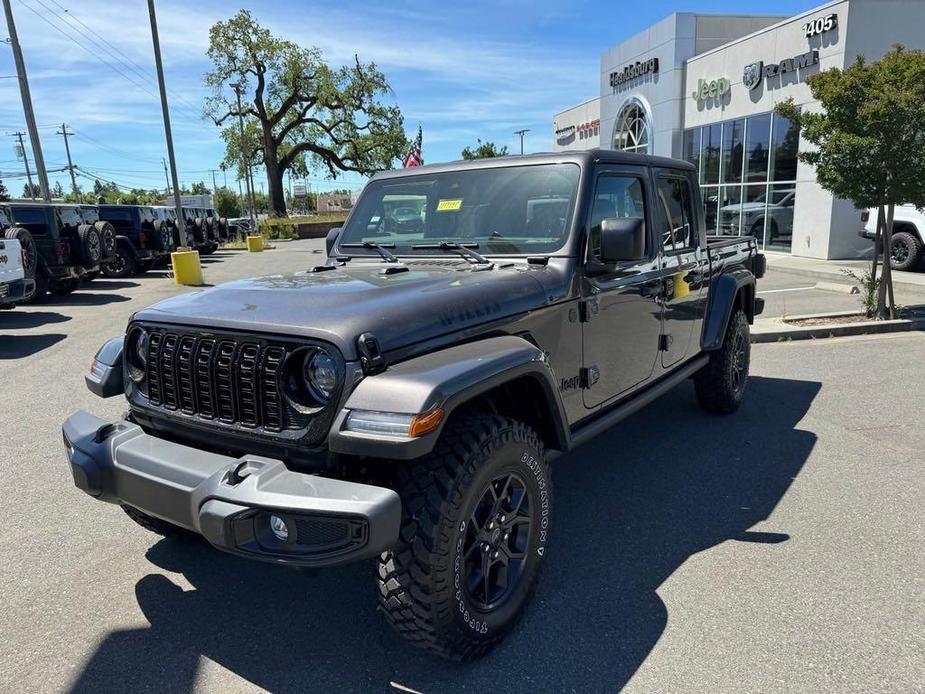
(744, 206)
(430, 299)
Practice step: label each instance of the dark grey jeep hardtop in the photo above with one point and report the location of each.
(403, 399)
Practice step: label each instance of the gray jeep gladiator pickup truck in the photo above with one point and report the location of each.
(403, 400)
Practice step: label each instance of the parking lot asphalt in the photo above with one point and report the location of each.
(780, 548)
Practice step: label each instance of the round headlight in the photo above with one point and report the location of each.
(137, 354)
(320, 373)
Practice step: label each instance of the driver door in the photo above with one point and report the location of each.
(621, 310)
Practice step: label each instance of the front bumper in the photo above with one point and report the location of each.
(228, 500)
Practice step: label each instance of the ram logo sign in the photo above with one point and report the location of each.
(751, 75)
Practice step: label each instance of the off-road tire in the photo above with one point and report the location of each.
(41, 286)
(29, 249)
(163, 235)
(208, 249)
(90, 276)
(122, 265)
(422, 580)
(108, 237)
(91, 244)
(911, 251)
(720, 385)
(64, 287)
(155, 525)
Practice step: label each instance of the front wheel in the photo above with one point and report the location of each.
(122, 264)
(475, 526)
(720, 385)
(905, 251)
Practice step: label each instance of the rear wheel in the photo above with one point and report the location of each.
(122, 264)
(905, 251)
(41, 287)
(720, 385)
(155, 525)
(65, 286)
(108, 237)
(475, 526)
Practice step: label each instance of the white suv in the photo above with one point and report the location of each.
(908, 235)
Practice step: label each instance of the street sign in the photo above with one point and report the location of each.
(299, 190)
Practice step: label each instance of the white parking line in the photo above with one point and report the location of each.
(791, 289)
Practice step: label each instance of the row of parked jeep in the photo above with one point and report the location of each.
(63, 244)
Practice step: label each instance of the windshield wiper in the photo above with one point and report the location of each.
(465, 250)
(378, 247)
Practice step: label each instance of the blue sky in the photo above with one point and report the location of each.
(464, 71)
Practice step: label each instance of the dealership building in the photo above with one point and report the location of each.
(704, 87)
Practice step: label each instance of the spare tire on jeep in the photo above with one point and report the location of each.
(91, 244)
(163, 235)
(108, 236)
(30, 254)
(202, 230)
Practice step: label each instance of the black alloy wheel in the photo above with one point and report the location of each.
(720, 385)
(476, 518)
(121, 265)
(496, 541)
(905, 251)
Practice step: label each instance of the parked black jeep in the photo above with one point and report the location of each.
(203, 235)
(142, 240)
(403, 400)
(70, 243)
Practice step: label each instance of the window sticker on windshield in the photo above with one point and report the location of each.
(449, 205)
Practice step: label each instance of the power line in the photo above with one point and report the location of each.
(124, 60)
(115, 68)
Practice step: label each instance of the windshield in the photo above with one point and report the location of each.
(510, 210)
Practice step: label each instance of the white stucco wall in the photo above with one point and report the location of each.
(584, 113)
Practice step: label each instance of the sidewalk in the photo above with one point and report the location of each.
(831, 270)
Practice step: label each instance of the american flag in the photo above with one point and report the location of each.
(414, 157)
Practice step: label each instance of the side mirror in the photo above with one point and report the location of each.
(622, 239)
(331, 239)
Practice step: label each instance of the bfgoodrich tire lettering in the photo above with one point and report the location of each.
(425, 588)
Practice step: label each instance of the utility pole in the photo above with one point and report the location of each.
(166, 175)
(213, 181)
(522, 133)
(160, 82)
(248, 183)
(70, 164)
(27, 104)
(25, 158)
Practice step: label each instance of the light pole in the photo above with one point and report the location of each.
(181, 226)
(248, 183)
(522, 133)
(27, 104)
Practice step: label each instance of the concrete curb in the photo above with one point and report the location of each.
(775, 330)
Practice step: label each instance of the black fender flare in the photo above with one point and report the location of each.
(723, 293)
(126, 241)
(446, 379)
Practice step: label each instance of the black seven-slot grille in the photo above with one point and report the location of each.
(228, 379)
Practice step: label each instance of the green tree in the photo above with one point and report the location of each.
(869, 142)
(4, 193)
(484, 150)
(57, 191)
(296, 106)
(200, 189)
(226, 203)
(31, 190)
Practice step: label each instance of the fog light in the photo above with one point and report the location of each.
(279, 528)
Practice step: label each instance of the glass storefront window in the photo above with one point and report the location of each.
(730, 210)
(691, 147)
(709, 172)
(710, 195)
(732, 150)
(757, 148)
(785, 142)
(779, 226)
(754, 209)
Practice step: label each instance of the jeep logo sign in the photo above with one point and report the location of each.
(714, 89)
(752, 74)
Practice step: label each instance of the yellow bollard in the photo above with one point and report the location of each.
(186, 268)
(255, 244)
